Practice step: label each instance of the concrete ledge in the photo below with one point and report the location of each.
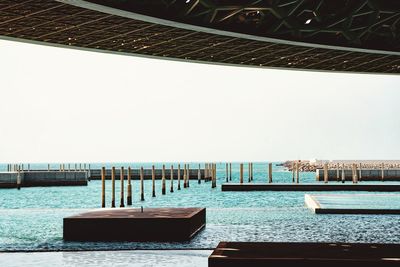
(153, 224)
(314, 204)
(255, 254)
(310, 187)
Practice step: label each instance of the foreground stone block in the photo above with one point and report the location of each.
(255, 254)
(153, 224)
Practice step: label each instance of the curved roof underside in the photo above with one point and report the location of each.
(361, 36)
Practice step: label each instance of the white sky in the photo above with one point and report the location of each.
(68, 105)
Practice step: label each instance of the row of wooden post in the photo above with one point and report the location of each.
(186, 184)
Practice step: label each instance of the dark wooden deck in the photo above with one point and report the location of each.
(127, 224)
(310, 187)
(254, 254)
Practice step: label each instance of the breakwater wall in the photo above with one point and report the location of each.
(95, 174)
(362, 174)
(42, 178)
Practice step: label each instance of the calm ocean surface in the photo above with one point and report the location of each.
(31, 218)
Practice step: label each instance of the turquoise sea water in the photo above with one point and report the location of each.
(31, 218)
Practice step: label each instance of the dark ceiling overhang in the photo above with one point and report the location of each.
(246, 33)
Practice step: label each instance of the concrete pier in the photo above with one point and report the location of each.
(363, 174)
(310, 187)
(42, 178)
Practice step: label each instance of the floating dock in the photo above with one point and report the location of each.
(42, 178)
(257, 254)
(127, 224)
(310, 187)
(354, 203)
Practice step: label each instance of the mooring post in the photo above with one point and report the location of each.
(252, 171)
(69, 167)
(122, 177)
(383, 171)
(293, 171)
(188, 176)
(249, 172)
(337, 173)
(199, 175)
(172, 179)
(359, 171)
(241, 173)
(179, 176)
(153, 181)
(326, 172)
(205, 172)
(163, 190)
(269, 172)
(343, 174)
(129, 193)
(103, 187)
(184, 176)
(215, 175)
(141, 184)
(112, 187)
(297, 172)
(76, 167)
(355, 173)
(18, 179)
(48, 167)
(226, 172)
(230, 171)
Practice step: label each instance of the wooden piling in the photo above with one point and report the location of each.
(172, 179)
(113, 187)
(293, 171)
(48, 167)
(359, 172)
(129, 193)
(122, 177)
(297, 172)
(326, 172)
(179, 176)
(18, 179)
(205, 172)
(249, 171)
(188, 176)
(103, 187)
(141, 184)
(184, 176)
(214, 180)
(355, 174)
(383, 171)
(226, 172)
(230, 171)
(343, 174)
(270, 172)
(69, 167)
(153, 181)
(337, 173)
(163, 190)
(241, 173)
(199, 175)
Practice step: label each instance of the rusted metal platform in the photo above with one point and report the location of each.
(153, 224)
(311, 187)
(254, 254)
